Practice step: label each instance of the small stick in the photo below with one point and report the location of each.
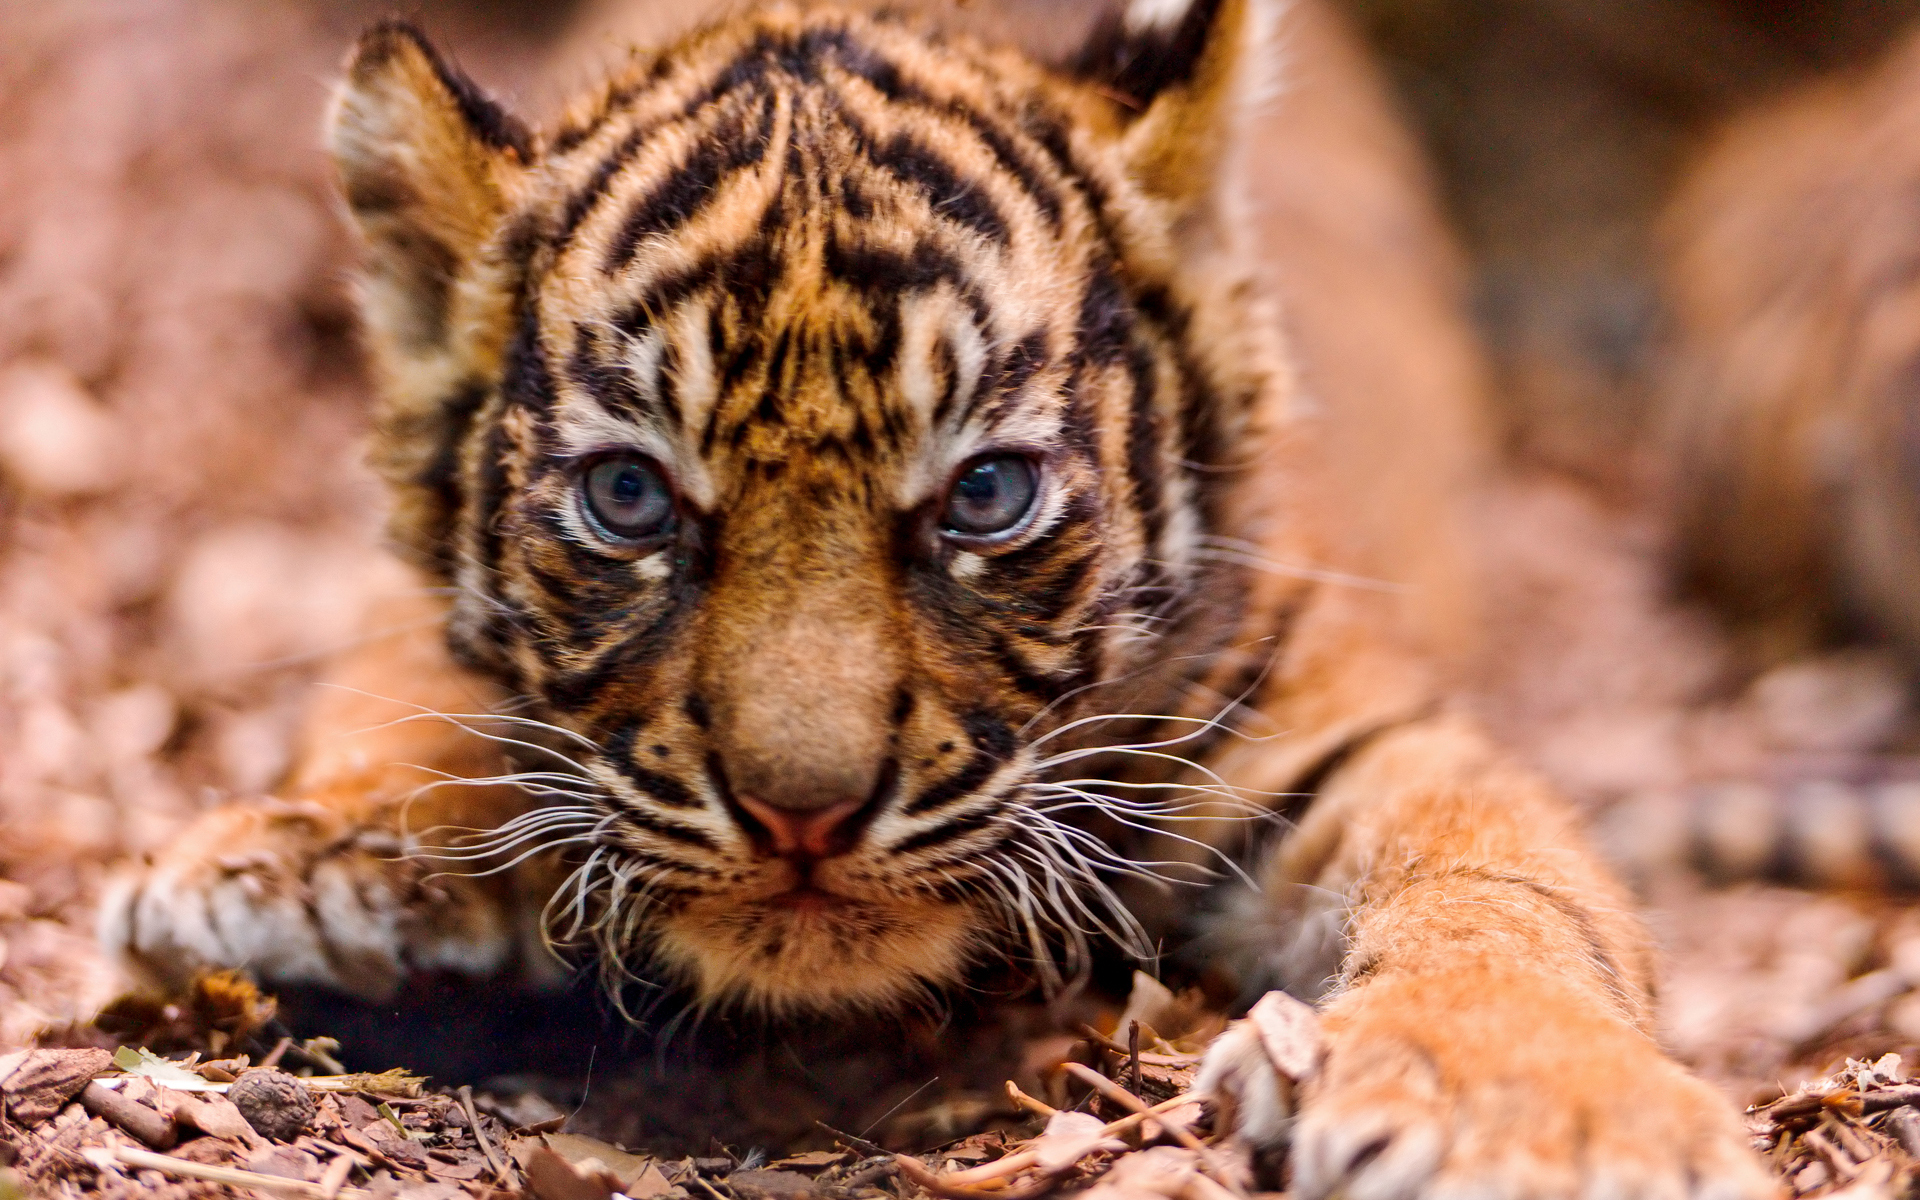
(147, 1160)
(1855, 1145)
(1836, 1157)
(1113, 1091)
(278, 1052)
(1133, 1056)
(480, 1135)
(1153, 1060)
(917, 1171)
(711, 1190)
(1038, 1108)
(130, 1116)
(870, 1149)
(335, 1176)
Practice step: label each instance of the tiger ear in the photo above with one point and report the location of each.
(426, 161)
(1181, 69)
(428, 165)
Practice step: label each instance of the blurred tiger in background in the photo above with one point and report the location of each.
(1789, 422)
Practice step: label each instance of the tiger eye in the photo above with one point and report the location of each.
(992, 495)
(628, 497)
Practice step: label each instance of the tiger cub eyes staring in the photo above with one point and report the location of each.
(627, 498)
(991, 498)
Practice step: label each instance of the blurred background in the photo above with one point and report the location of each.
(1620, 299)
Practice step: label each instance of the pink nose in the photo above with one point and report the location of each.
(804, 833)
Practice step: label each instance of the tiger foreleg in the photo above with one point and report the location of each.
(336, 882)
(1488, 1032)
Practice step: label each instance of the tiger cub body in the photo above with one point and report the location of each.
(876, 515)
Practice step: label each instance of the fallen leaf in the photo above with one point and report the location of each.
(217, 1116)
(578, 1149)
(1164, 1171)
(1290, 1032)
(812, 1160)
(551, 1177)
(651, 1182)
(774, 1185)
(1070, 1137)
(147, 1064)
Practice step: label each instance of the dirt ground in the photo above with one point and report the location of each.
(186, 529)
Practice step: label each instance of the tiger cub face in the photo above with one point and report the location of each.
(816, 419)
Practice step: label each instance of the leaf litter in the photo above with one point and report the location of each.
(1117, 1118)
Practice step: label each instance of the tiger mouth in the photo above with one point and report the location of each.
(808, 898)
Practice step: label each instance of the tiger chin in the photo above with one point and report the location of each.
(873, 523)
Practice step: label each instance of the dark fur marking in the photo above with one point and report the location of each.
(681, 195)
(949, 195)
(489, 123)
(1142, 66)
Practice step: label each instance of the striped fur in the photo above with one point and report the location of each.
(811, 264)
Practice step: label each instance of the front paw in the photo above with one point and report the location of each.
(1521, 1088)
(295, 894)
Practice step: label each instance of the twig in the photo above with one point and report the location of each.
(1153, 1060)
(335, 1176)
(867, 1176)
(1835, 1156)
(1038, 1108)
(480, 1135)
(278, 1052)
(1133, 1056)
(1113, 1091)
(856, 1142)
(711, 1190)
(130, 1116)
(147, 1160)
(919, 1173)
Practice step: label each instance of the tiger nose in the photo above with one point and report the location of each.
(806, 833)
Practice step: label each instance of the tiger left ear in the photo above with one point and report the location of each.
(1182, 68)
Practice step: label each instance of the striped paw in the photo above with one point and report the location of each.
(294, 894)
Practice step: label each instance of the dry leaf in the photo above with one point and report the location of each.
(651, 1182)
(551, 1177)
(1290, 1033)
(1164, 1171)
(812, 1160)
(577, 1150)
(1070, 1137)
(771, 1184)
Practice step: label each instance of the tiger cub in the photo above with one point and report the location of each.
(870, 506)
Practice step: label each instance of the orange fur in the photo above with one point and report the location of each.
(808, 634)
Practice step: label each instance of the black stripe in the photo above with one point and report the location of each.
(1146, 454)
(671, 830)
(993, 742)
(663, 788)
(610, 384)
(951, 197)
(943, 833)
(720, 151)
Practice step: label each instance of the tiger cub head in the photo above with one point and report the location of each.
(816, 419)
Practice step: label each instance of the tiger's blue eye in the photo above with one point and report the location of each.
(628, 497)
(993, 494)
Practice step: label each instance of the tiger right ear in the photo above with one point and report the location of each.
(1181, 71)
(427, 162)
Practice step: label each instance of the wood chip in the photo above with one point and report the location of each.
(1290, 1034)
(42, 1083)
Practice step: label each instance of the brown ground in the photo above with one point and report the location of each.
(188, 528)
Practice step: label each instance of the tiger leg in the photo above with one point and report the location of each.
(318, 885)
(1488, 1032)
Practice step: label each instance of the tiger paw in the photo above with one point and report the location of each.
(1514, 1089)
(294, 893)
